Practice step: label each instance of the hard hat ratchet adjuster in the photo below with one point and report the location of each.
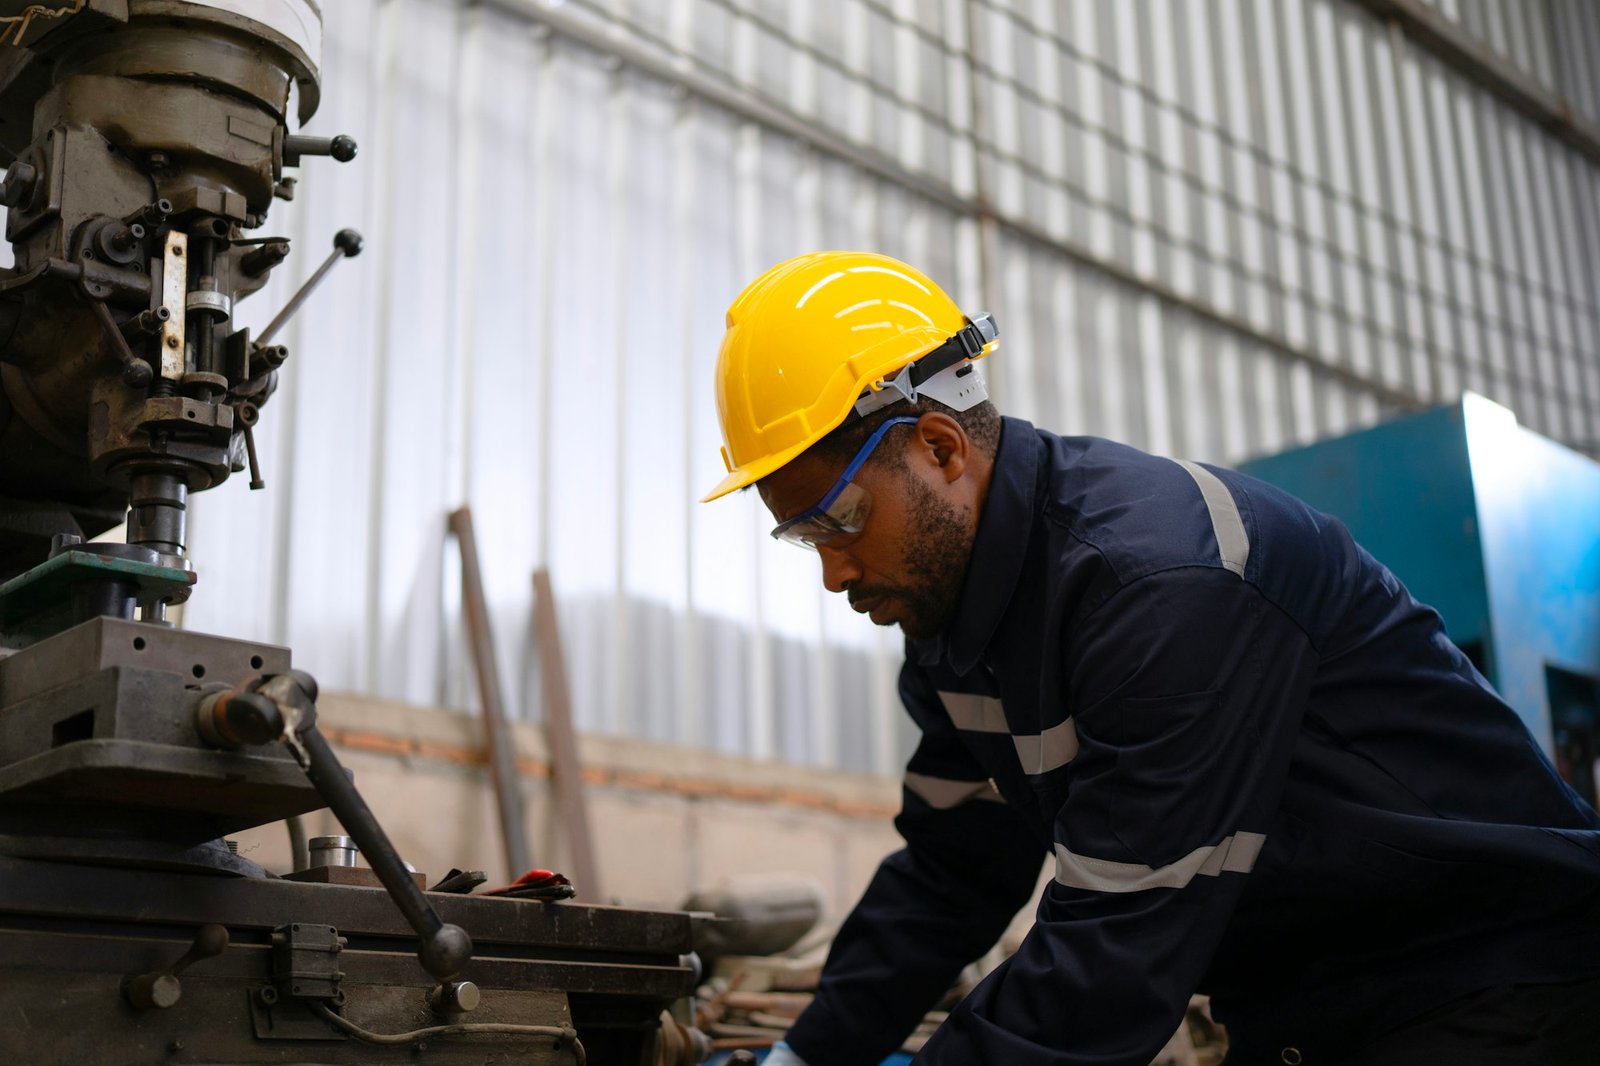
(946, 374)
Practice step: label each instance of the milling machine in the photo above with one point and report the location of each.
(145, 141)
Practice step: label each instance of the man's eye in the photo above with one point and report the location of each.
(851, 516)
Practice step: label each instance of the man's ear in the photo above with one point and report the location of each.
(940, 441)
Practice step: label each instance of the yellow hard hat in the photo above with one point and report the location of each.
(821, 335)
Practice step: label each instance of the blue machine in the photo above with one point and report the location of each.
(1497, 528)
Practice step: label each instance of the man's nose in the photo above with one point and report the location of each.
(839, 568)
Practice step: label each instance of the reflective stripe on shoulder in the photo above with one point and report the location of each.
(1232, 541)
(1038, 753)
(942, 793)
(1236, 854)
(975, 714)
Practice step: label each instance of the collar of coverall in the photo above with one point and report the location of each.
(997, 551)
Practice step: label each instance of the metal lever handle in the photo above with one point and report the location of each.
(347, 242)
(445, 948)
(161, 988)
(342, 148)
(135, 371)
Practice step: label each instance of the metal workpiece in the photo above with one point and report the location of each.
(332, 851)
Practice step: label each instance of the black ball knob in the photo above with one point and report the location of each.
(447, 950)
(306, 683)
(250, 718)
(343, 148)
(348, 241)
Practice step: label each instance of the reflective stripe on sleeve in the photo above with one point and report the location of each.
(942, 793)
(1037, 753)
(975, 714)
(1236, 854)
(1050, 750)
(1232, 541)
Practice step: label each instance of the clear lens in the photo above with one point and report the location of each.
(843, 511)
(844, 517)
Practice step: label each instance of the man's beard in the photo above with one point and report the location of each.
(937, 549)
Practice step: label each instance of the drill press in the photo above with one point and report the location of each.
(145, 141)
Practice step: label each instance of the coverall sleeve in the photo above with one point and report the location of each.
(969, 864)
(1191, 687)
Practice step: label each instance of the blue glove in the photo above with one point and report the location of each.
(782, 1055)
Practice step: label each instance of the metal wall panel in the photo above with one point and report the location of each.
(1556, 43)
(1212, 228)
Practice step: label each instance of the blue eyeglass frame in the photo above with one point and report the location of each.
(820, 508)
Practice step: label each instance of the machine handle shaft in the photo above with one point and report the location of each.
(347, 242)
(445, 948)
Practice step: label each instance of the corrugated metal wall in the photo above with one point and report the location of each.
(1209, 227)
(1555, 42)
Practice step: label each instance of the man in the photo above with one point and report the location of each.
(1259, 767)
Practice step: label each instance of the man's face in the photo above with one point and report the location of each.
(907, 565)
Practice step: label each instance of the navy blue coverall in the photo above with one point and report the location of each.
(1259, 767)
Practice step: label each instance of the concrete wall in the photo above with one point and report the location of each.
(668, 820)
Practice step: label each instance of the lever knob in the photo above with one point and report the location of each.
(342, 147)
(454, 998)
(160, 989)
(348, 241)
(233, 719)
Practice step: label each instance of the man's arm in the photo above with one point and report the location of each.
(1192, 688)
(969, 864)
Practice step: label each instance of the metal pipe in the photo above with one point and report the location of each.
(501, 741)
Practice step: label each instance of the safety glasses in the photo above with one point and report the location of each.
(843, 511)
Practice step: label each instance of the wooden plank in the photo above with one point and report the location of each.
(497, 734)
(566, 768)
